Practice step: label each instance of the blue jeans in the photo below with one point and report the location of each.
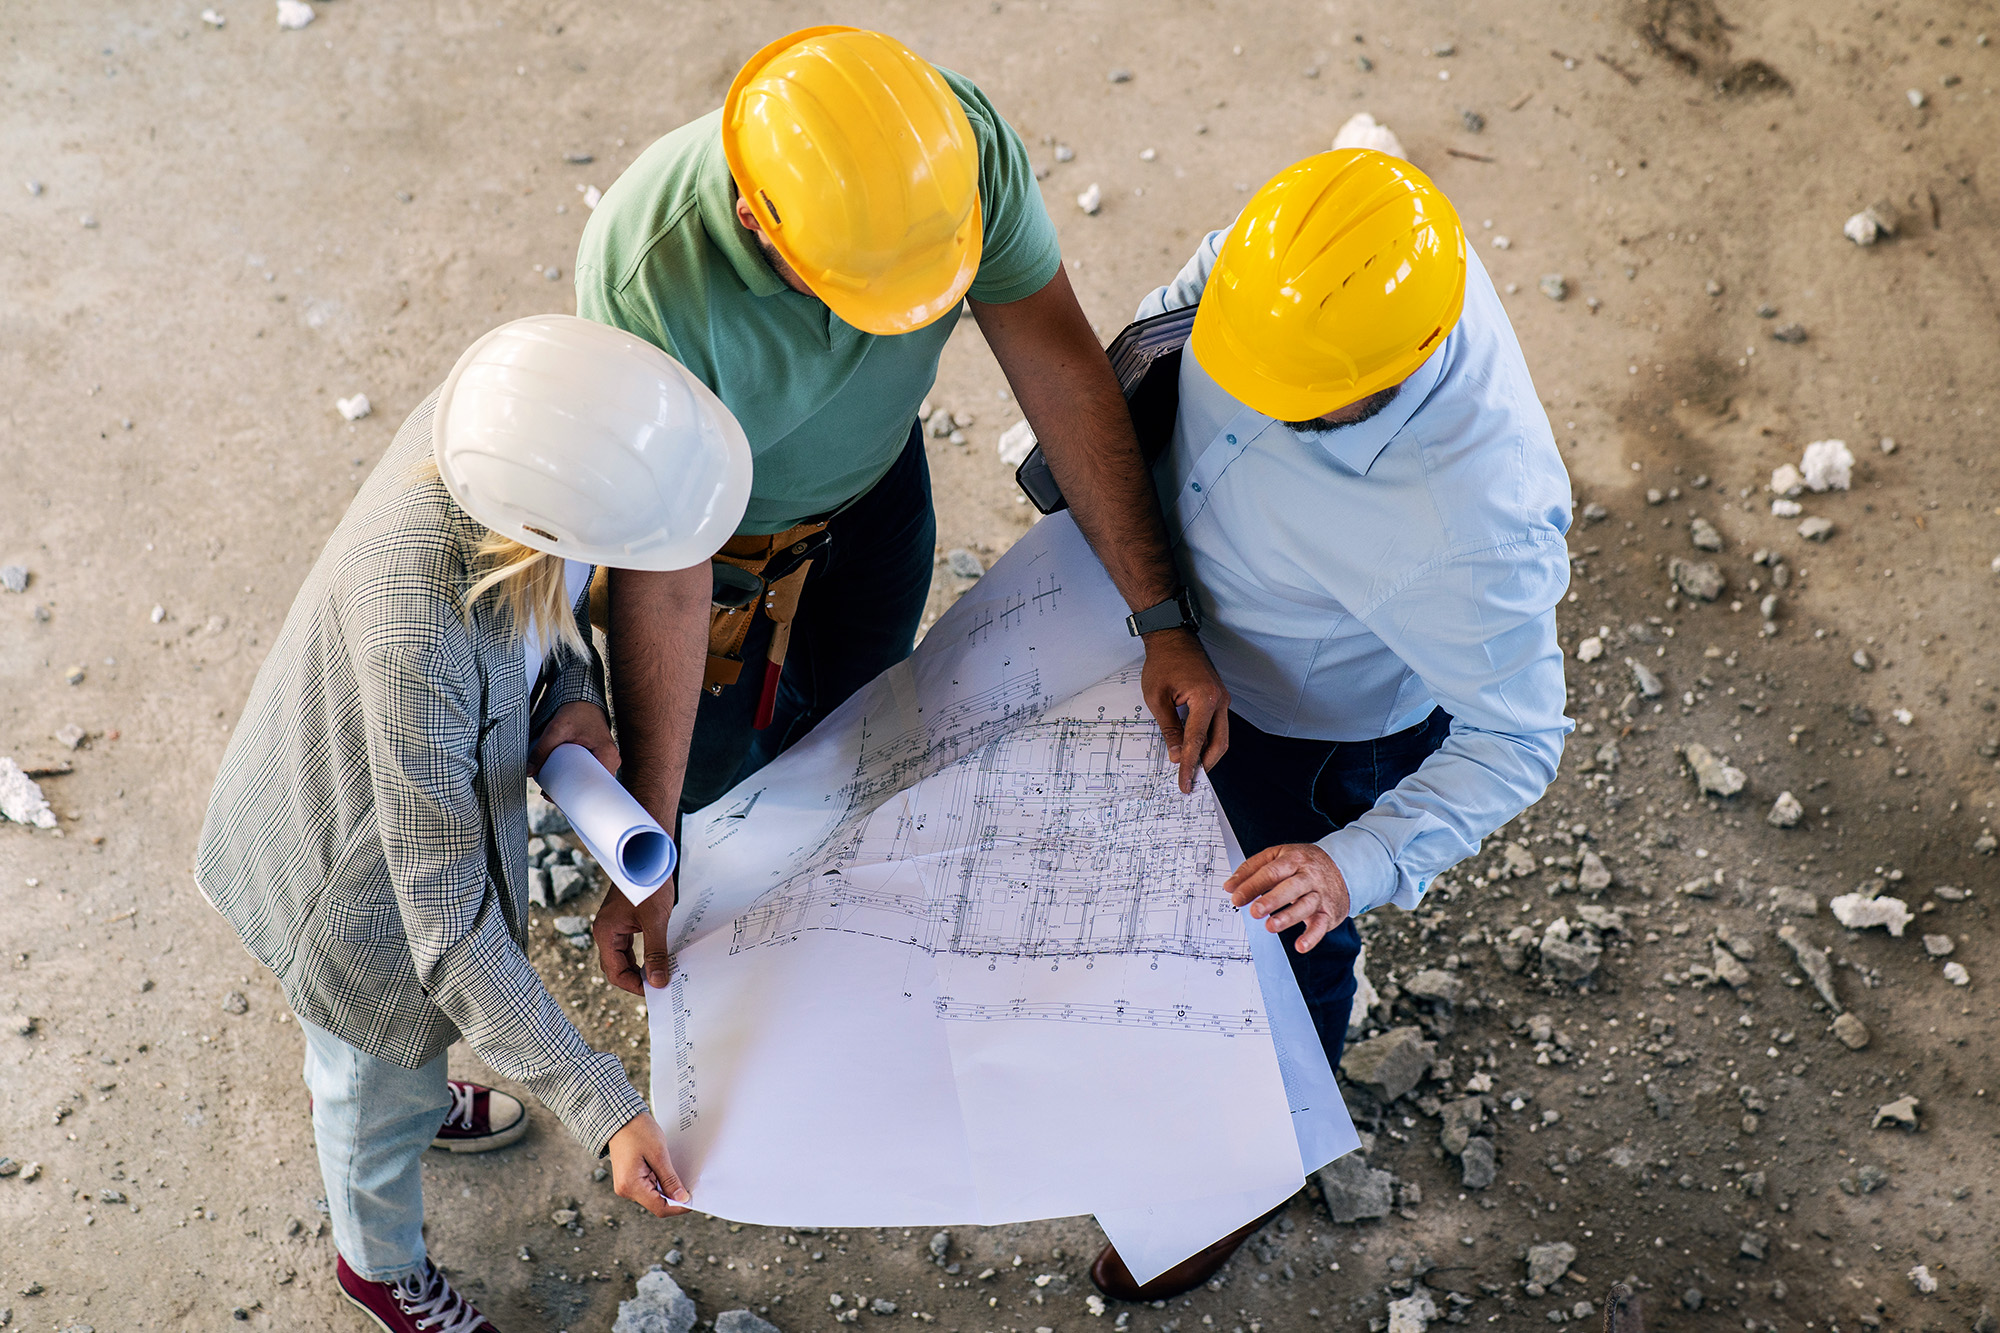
(1279, 789)
(372, 1121)
(863, 600)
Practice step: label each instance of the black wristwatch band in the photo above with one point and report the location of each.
(1177, 612)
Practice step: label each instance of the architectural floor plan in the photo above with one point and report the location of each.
(962, 954)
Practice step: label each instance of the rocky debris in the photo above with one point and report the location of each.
(1920, 1278)
(14, 578)
(658, 1306)
(1478, 1164)
(1091, 199)
(354, 408)
(1354, 1191)
(1828, 465)
(1853, 1033)
(1016, 443)
(575, 930)
(235, 1003)
(1956, 974)
(1753, 1245)
(1786, 481)
(1704, 535)
(1554, 286)
(1366, 997)
(1938, 946)
(1862, 661)
(1729, 969)
(742, 1321)
(1518, 861)
(1902, 1111)
(1362, 130)
(1816, 529)
(1592, 875)
(70, 736)
(1812, 961)
(543, 816)
(1711, 774)
(1859, 911)
(1785, 811)
(294, 14)
(1869, 226)
(1566, 959)
(1785, 898)
(21, 798)
(964, 563)
(1547, 1263)
(1648, 684)
(940, 1246)
(1460, 1118)
(1793, 334)
(565, 883)
(1698, 578)
(1412, 1313)
(1590, 649)
(1435, 985)
(1390, 1065)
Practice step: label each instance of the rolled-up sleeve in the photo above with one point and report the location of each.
(421, 708)
(1480, 633)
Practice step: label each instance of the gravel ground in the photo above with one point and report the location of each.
(230, 228)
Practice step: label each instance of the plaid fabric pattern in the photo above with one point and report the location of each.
(368, 833)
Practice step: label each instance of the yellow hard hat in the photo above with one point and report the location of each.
(860, 166)
(1338, 280)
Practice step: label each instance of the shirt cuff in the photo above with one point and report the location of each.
(1366, 866)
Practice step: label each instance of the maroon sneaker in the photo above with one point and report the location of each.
(424, 1304)
(480, 1120)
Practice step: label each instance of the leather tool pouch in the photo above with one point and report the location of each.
(757, 575)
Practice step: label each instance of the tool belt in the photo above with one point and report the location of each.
(755, 574)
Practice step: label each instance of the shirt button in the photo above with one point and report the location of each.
(1230, 438)
(1197, 487)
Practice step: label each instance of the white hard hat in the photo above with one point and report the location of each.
(584, 441)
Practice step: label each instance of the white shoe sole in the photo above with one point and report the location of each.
(486, 1143)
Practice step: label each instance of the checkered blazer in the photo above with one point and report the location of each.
(368, 833)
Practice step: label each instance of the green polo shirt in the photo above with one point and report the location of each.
(827, 407)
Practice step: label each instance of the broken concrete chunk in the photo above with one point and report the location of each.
(1853, 1033)
(1643, 677)
(1816, 529)
(1729, 969)
(1460, 1118)
(1391, 1064)
(1703, 534)
(1785, 811)
(1412, 1313)
(1859, 911)
(21, 798)
(1569, 960)
(1594, 876)
(1698, 578)
(658, 1306)
(1956, 974)
(1828, 465)
(1711, 774)
(1902, 1111)
(1785, 898)
(1937, 946)
(1436, 985)
(1478, 1164)
(1520, 861)
(1813, 962)
(1548, 1263)
(1354, 1191)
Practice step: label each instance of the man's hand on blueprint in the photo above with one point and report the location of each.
(1179, 675)
(1290, 883)
(640, 1168)
(617, 929)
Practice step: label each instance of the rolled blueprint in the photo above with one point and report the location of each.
(629, 843)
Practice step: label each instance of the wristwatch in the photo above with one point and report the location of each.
(1177, 612)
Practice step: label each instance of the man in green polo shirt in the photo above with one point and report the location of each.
(806, 250)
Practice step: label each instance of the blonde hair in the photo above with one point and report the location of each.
(529, 584)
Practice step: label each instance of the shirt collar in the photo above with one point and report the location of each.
(1357, 447)
(715, 196)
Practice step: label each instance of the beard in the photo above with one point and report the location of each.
(1370, 406)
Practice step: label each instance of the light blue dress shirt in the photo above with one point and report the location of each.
(1354, 579)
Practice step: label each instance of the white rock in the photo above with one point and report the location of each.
(1857, 911)
(592, 196)
(1888, 445)
(1956, 974)
(1785, 811)
(1904, 716)
(1786, 480)
(1816, 528)
(1711, 774)
(1862, 228)
(1366, 997)
(1827, 466)
(1920, 1276)
(159, 613)
(1364, 131)
(1590, 649)
(21, 797)
(354, 408)
(294, 13)
(1502, 243)
(1938, 946)
(212, 19)
(1091, 199)
(1916, 96)
(1064, 153)
(1413, 1314)
(1786, 509)
(1016, 443)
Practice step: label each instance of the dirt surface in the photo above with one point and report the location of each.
(235, 226)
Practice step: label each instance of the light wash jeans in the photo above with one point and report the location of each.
(372, 1121)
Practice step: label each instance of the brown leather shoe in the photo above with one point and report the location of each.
(1110, 1276)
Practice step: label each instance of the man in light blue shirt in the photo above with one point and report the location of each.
(1369, 510)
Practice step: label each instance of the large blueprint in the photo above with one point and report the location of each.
(962, 954)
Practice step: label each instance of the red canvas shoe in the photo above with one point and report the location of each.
(480, 1120)
(424, 1304)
